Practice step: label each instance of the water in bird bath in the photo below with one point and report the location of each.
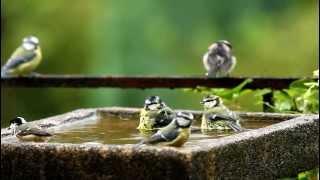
(120, 131)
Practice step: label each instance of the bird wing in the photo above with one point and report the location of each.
(164, 117)
(161, 136)
(234, 126)
(219, 117)
(19, 57)
(33, 131)
(230, 121)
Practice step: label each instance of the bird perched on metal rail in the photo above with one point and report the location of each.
(216, 116)
(219, 61)
(174, 134)
(26, 131)
(155, 114)
(25, 58)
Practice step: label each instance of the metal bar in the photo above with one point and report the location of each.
(141, 82)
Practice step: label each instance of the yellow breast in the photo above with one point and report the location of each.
(27, 68)
(181, 139)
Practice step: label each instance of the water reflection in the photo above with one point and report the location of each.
(119, 131)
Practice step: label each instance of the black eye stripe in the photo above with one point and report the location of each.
(152, 103)
(209, 100)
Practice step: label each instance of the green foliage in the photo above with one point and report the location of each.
(301, 96)
(227, 94)
(234, 94)
(307, 175)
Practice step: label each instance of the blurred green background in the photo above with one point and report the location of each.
(111, 37)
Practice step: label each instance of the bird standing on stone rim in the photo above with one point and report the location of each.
(219, 61)
(25, 58)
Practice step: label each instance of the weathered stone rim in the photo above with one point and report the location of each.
(279, 150)
(127, 113)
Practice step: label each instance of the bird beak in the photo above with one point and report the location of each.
(202, 102)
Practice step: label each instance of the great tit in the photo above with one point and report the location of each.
(216, 116)
(155, 114)
(25, 58)
(174, 134)
(27, 131)
(219, 61)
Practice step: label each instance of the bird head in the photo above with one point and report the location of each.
(14, 123)
(211, 101)
(183, 119)
(30, 42)
(221, 47)
(224, 43)
(153, 103)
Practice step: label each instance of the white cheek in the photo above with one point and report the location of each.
(13, 126)
(28, 46)
(153, 107)
(183, 122)
(210, 104)
(226, 48)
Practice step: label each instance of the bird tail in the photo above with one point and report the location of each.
(3, 72)
(141, 143)
(234, 126)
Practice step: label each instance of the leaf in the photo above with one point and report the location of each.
(299, 83)
(311, 84)
(242, 85)
(282, 101)
(261, 92)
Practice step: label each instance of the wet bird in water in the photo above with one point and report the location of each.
(174, 134)
(25, 58)
(155, 114)
(219, 61)
(26, 131)
(216, 116)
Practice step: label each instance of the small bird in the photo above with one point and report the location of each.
(27, 131)
(219, 61)
(216, 116)
(155, 114)
(25, 58)
(174, 134)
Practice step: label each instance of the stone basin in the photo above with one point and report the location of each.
(279, 150)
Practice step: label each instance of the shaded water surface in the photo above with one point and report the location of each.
(119, 131)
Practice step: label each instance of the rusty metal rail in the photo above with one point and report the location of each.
(141, 82)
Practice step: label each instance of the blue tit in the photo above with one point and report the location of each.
(216, 116)
(219, 61)
(25, 58)
(174, 134)
(27, 131)
(155, 114)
